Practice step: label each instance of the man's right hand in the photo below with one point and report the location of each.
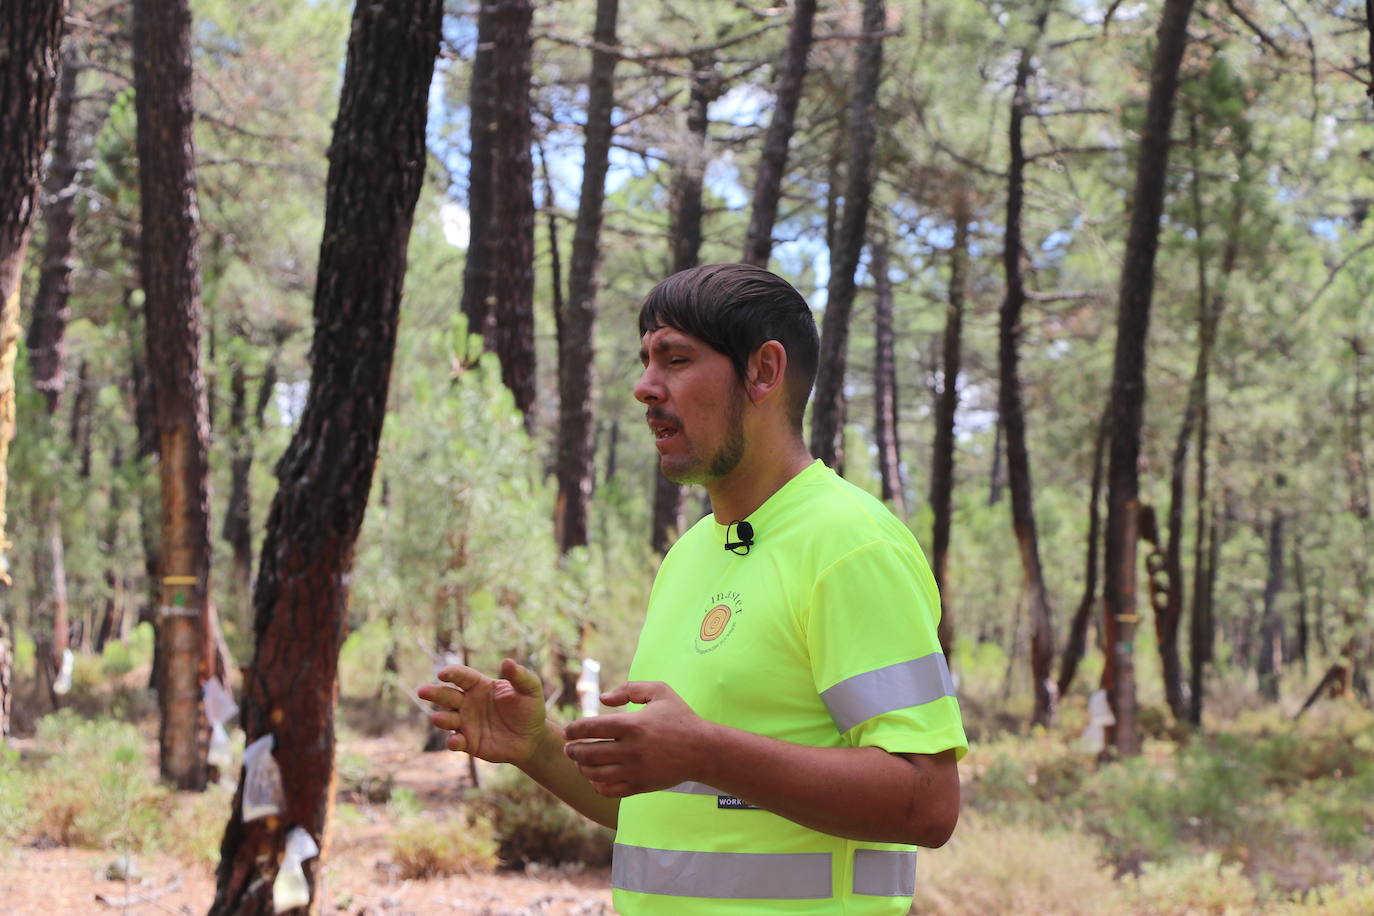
(495, 719)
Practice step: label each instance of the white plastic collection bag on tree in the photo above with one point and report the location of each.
(290, 889)
(219, 709)
(262, 789)
(62, 685)
(1100, 716)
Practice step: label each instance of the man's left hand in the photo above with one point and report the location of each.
(646, 750)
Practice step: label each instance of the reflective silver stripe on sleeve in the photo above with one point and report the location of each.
(692, 788)
(884, 872)
(863, 696)
(722, 875)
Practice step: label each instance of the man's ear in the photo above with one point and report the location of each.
(767, 372)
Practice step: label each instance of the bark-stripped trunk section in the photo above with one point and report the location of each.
(170, 266)
(885, 384)
(510, 319)
(685, 239)
(376, 167)
(29, 34)
(946, 406)
(1010, 405)
(1128, 373)
(577, 320)
(828, 411)
(773, 161)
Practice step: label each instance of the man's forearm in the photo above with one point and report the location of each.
(862, 793)
(551, 768)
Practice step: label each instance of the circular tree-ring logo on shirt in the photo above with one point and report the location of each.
(719, 621)
(713, 624)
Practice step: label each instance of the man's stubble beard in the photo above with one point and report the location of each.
(727, 457)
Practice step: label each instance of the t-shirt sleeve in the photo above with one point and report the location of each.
(875, 656)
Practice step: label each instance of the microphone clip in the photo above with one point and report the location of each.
(745, 532)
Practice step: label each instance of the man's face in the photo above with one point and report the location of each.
(695, 406)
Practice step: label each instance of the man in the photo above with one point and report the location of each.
(792, 732)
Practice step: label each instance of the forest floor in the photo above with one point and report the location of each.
(360, 879)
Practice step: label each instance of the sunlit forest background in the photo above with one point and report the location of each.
(511, 512)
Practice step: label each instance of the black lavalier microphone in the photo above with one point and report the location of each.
(745, 532)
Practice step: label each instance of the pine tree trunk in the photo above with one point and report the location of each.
(828, 408)
(685, 238)
(477, 264)
(1011, 409)
(510, 321)
(885, 384)
(376, 169)
(946, 407)
(47, 337)
(1270, 657)
(576, 326)
(237, 528)
(170, 266)
(1077, 643)
(30, 33)
(1128, 373)
(773, 161)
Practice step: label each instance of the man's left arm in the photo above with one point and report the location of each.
(861, 793)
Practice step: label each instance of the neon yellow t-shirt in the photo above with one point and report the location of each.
(824, 634)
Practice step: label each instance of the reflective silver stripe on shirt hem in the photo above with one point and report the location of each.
(863, 696)
(722, 875)
(692, 788)
(884, 872)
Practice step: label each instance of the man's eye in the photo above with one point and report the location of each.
(677, 361)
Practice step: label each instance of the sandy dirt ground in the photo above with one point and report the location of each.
(359, 880)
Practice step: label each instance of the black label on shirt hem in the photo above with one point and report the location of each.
(730, 803)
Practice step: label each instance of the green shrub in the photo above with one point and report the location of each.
(15, 813)
(97, 789)
(533, 826)
(431, 847)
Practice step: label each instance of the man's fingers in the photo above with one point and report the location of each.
(615, 726)
(449, 721)
(447, 697)
(456, 742)
(462, 677)
(521, 678)
(634, 692)
(595, 753)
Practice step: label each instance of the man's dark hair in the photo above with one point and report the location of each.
(736, 309)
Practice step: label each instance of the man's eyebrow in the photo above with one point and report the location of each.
(666, 345)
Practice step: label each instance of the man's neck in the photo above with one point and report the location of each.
(758, 476)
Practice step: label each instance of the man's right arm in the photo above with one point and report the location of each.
(502, 720)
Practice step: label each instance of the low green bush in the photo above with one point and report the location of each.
(15, 813)
(533, 826)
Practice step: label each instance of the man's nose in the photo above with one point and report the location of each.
(649, 388)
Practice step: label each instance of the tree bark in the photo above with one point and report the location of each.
(170, 267)
(510, 319)
(1270, 657)
(47, 337)
(1009, 402)
(576, 326)
(1077, 643)
(30, 33)
(946, 407)
(828, 407)
(477, 264)
(237, 528)
(376, 168)
(773, 161)
(685, 239)
(1128, 373)
(885, 384)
